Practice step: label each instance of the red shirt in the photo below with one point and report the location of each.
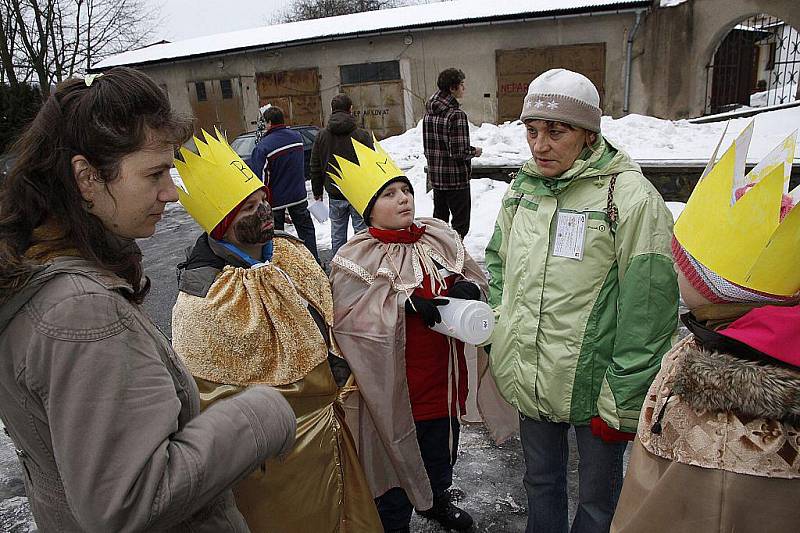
(427, 351)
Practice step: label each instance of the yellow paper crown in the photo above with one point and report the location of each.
(744, 240)
(213, 182)
(359, 182)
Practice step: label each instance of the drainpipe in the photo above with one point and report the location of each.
(629, 60)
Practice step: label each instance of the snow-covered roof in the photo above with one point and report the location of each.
(351, 26)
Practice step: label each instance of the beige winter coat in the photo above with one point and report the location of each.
(369, 325)
(725, 452)
(106, 417)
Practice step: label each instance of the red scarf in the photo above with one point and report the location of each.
(409, 235)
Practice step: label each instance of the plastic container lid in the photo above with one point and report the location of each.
(470, 321)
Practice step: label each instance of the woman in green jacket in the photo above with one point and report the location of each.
(585, 297)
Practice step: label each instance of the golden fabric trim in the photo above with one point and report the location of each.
(352, 267)
(417, 250)
(253, 325)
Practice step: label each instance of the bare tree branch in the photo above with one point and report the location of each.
(7, 34)
(60, 38)
(314, 9)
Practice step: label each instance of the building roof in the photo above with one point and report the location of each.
(359, 24)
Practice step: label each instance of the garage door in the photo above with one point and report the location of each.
(217, 104)
(294, 91)
(517, 68)
(378, 107)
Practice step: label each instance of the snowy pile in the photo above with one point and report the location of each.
(644, 138)
(782, 93)
(647, 139)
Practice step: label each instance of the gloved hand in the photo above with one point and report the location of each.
(607, 433)
(466, 290)
(426, 308)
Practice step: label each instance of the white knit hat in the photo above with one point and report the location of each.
(565, 96)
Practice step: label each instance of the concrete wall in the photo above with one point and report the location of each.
(671, 52)
(675, 45)
(471, 49)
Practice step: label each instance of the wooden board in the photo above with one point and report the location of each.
(517, 68)
(224, 114)
(378, 107)
(294, 91)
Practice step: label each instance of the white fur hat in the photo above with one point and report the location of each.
(565, 96)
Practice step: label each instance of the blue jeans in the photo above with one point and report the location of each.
(340, 212)
(545, 447)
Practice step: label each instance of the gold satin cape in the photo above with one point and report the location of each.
(253, 327)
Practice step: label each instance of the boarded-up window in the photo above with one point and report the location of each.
(212, 108)
(369, 72)
(378, 107)
(294, 91)
(226, 87)
(377, 93)
(517, 68)
(200, 87)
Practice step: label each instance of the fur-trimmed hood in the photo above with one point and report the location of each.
(753, 389)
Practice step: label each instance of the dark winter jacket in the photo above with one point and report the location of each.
(445, 138)
(278, 160)
(106, 418)
(335, 140)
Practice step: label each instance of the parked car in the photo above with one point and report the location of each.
(244, 144)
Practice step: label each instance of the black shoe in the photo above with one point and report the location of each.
(447, 514)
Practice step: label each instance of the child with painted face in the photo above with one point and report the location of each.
(718, 443)
(387, 286)
(255, 307)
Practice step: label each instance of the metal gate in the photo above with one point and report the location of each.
(757, 64)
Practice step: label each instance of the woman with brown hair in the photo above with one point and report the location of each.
(103, 414)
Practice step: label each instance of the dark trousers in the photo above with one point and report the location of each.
(394, 506)
(301, 219)
(457, 202)
(546, 452)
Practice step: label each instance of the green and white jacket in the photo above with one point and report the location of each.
(575, 338)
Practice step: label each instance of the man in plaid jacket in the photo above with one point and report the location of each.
(445, 137)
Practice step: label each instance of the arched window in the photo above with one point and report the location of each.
(757, 64)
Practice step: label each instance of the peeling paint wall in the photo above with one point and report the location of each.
(670, 54)
(472, 49)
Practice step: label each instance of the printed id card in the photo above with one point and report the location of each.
(570, 235)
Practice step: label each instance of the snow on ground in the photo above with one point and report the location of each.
(644, 138)
(787, 92)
